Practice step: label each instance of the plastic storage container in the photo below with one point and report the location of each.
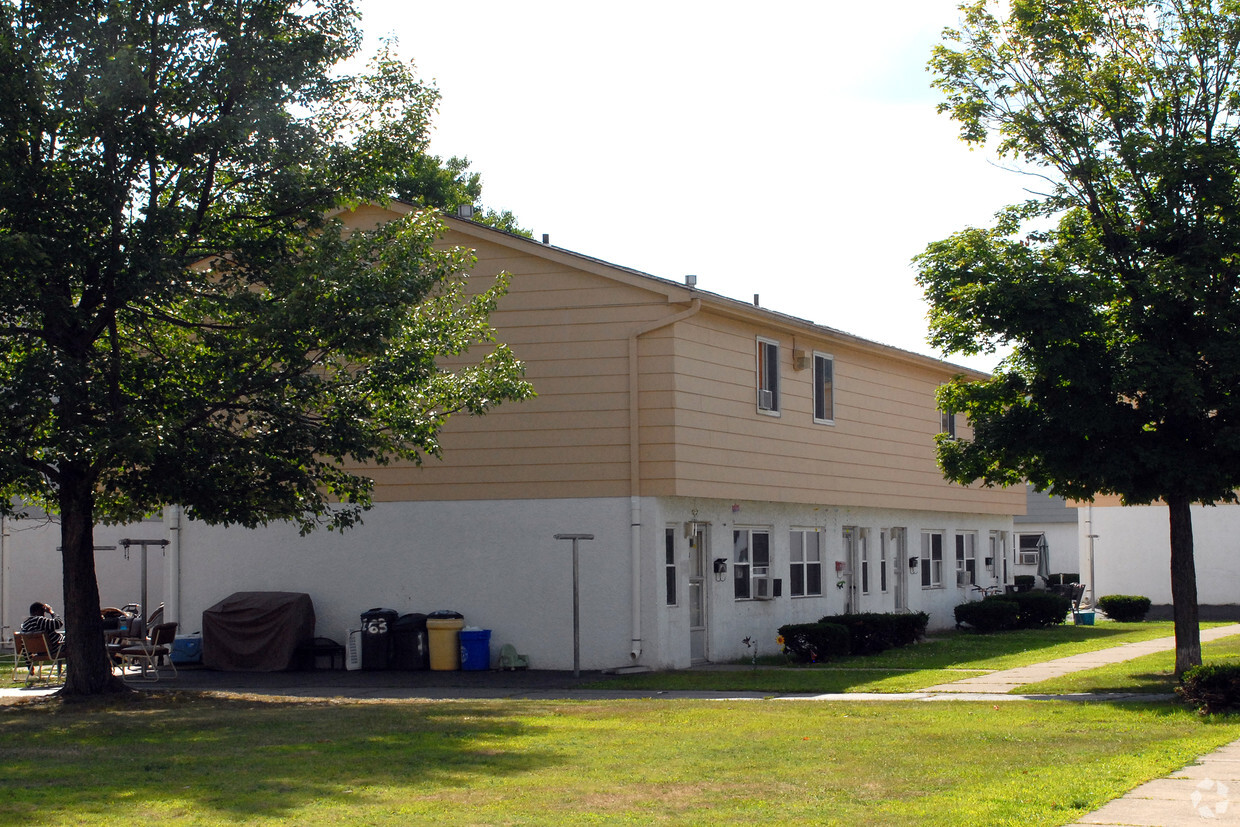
(187, 649)
(410, 648)
(377, 638)
(475, 649)
(443, 628)
(1083, 618)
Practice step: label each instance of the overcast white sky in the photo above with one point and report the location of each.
(788, 149)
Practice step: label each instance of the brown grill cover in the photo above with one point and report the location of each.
(256, 631)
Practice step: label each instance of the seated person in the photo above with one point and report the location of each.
(43, 619)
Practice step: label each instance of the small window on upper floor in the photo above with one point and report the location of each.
(948, 424)
(824, 388)
(768, 376)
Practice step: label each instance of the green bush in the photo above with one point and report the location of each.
(1063, 579)
(1024, 582)
(872, 632)
(1124, 608)
(1039, 609)
(1211, 687)
(994, 614)
(814, 642)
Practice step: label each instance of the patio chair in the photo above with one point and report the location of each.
(32, 650)
(151, 654)
(509, 660)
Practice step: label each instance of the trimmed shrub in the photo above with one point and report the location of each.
(1039, 609)
(1211, 687)
(1024, 582)
(871, 632)
(993, 614)
(1063, 579)
(1124, 608)
(814, 642)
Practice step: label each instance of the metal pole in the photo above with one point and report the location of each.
(576, 600)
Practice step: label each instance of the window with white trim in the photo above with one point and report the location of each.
(882, 562)
(931, 559)
(947, 424)
(751, 560)
(966, 558)
(824, 388)
(669, 564)
(768, 376)
(863, 556)
(1029, 549)
(805, 562)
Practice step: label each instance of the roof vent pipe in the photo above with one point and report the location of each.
(755, 299)
(546, 238)
(691, 281)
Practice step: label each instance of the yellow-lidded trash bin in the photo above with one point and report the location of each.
(443, 630)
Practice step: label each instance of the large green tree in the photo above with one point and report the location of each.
(1115, 285)
(182, 319)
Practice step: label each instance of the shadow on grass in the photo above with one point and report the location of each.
(251, 757)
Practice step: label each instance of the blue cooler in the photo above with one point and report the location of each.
(187, 649)
(475, 649)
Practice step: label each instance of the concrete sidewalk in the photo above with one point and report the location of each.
(1007, 680)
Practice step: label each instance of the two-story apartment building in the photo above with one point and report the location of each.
(738, 468)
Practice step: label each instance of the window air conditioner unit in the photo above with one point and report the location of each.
(762, 588)
(963, 580)
(766, 400)
(1028, 558)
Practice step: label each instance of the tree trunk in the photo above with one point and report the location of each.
(1184, 586)
(88, 668)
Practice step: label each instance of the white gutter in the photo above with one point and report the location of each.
(4, 577)
(635, 506)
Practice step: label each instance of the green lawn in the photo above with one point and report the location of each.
(946, 656)
(183, 759)
(1148, 674)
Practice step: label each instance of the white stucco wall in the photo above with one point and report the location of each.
(1132, 551)
(499, 564)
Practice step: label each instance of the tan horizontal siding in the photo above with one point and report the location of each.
(700, 433)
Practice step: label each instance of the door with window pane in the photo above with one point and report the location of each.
(698, 558)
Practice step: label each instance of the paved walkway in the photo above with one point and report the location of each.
(1200, 793)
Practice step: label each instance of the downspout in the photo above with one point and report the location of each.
(4, 576)
(635, 507)
(172, 577)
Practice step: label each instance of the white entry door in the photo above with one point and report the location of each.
(699, 559)
(898, 554)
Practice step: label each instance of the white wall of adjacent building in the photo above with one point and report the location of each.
(1132, 551)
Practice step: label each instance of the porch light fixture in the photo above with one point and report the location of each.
(721, 569)
(912, 562)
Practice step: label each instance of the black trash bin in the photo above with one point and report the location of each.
(377, 638)
(410, 647)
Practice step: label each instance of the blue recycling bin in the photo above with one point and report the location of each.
(475, 649)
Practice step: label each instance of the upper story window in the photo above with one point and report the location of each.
(768, 376)
(824, 388)
(948, 424)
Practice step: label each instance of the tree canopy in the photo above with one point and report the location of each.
(1115, 284)
(183, 318)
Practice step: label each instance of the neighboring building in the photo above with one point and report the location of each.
(1131, 550)
(1047, 517)
(738, 468)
